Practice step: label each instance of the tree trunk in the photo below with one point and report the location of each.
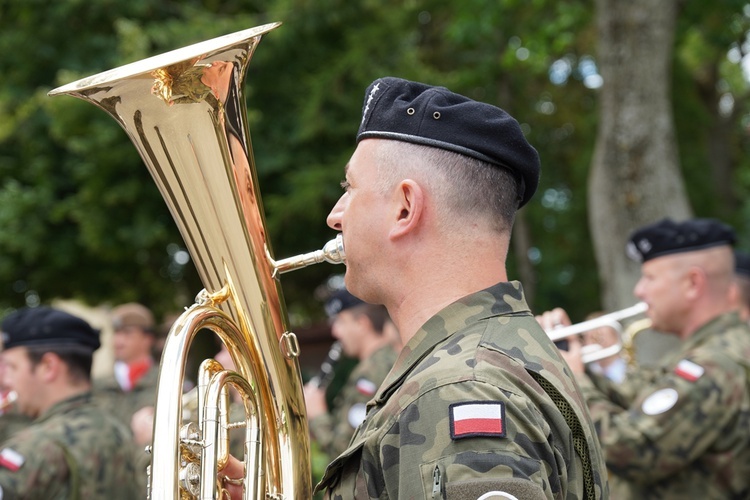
(635, 178)
(521, 242)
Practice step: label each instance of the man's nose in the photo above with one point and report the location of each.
(334, 218)
(638, 291)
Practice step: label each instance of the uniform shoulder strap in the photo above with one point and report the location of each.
(580, 443)
(75, 476)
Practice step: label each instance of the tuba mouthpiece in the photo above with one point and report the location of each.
(332, 252)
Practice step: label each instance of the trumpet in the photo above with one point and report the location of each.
(626, 336)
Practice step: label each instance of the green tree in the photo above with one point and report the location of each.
(82, 219)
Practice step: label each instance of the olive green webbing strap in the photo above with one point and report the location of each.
(75, 485)
(579, 437)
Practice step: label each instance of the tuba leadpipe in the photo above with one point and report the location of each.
(186, 115)
(613, 320)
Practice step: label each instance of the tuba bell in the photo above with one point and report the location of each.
(185, 113)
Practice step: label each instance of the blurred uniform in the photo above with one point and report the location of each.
(72, 449)
(683, 431)
(12, 421)
(133, 384)
(360, 328)
(333, 430)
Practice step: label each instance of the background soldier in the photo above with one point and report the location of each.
(73, 449)
(132, 385)
(11, 420)
(685, 433)
(360, 327)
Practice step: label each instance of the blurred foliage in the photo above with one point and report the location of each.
(81, 218)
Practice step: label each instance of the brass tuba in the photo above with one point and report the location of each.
(185, 112)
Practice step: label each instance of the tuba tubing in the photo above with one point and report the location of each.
(186, 115)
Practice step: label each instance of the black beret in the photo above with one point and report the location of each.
(45, 326)
(668, 237)
(742, 263)
(434, 116)
(341, 300)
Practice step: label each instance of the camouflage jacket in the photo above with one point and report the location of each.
(11, 422)
(478, 401)
(334, 430)
(123, 404)
(686, 432)
(109, 395)
(73, 451)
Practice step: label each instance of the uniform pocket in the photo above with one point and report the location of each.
(470, 475)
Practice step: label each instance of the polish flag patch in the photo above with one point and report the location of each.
(11, 459)
(366, 387)
(688, 370)
(480, 418)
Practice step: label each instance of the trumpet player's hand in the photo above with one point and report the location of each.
(315, 401)
(573, 356)
(556, 318)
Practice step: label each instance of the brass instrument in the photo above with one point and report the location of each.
(185, 113)
(6, 401)
(594, 352)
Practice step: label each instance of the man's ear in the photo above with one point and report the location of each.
(410, 200)
(50, 366)
(696, 279)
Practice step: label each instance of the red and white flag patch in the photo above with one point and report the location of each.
(478, 418)
(11, 459)
(366, 387)
(688, 370)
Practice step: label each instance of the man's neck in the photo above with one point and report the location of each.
(378, 342)
(419, 304)
(433, 276)
(63, 392)
(702, 315)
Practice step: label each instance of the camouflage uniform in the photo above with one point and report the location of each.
(686, 432)
(485, 350)
(74, 450)
(109, 395)
(124, 404)
(333, 430)
(11, 422)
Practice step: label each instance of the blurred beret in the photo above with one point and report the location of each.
(45, 326)
(133, 314)
(742, 263)
(434, 116)
(668, 237)
(341, 300)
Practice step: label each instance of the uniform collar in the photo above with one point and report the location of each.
(720, 323)
(502, 299)
(65, 405)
